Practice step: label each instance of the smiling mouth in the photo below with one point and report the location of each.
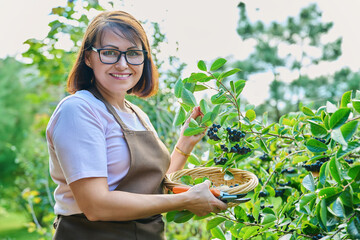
(120, 75)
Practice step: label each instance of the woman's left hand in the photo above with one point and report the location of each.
(187, 143)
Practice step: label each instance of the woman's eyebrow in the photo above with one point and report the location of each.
(112, 46)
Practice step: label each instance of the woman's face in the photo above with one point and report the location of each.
(119, 77)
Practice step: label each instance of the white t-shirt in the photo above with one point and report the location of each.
(84, 140)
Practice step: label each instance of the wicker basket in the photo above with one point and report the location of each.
(245, 181)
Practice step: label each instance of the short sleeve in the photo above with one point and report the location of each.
(78, 139)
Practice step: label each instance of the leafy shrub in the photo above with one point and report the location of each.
(307, 162)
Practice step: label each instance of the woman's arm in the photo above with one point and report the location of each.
(185, 144)
(100, 204)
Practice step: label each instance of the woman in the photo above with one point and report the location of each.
(105, 156)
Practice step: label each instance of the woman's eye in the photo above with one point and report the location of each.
(133, 53)
(109, 53)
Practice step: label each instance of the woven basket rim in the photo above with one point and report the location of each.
(172, 179)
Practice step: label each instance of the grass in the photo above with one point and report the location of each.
(12, 227)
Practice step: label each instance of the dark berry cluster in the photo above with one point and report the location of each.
(349, 161)
(234, 134)
(265, 157)
(212, 132)
(263, 194)
(289, 170)
(279, 192)
(316, 237)
(284, 184)
(268, 206)
(320, 139)
(220, 161)
(314, 167)
(236, 149)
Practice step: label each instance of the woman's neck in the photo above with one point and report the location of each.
(115, 99)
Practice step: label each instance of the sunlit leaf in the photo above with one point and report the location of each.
(217, 64)
(345, 99)
(339, 117)
(202, 66)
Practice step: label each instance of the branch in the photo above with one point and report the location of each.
(267, 181)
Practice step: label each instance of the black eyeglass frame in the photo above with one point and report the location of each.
(121, 52)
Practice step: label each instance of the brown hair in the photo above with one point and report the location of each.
(82, 77)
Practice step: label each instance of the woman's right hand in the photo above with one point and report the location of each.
(202, 201)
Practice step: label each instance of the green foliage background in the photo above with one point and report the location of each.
(29, 93)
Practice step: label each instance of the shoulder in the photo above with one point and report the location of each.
(81, 106)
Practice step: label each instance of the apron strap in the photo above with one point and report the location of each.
(138, 114)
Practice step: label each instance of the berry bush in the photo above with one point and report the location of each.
(307, 163)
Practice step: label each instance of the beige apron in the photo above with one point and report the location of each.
(149, 161)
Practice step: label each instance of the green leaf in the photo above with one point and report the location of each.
(251, 115)
(347, 197)
(250, 231)
(324, 171)
(356, 105)
(193, 159)
(316, 146)
(338, 137)
(219, 98)
(334, 170)
(239, 86)
(229, 73)
(317, 130)
(339, 117)
(299, 159)
(353, 228)
(306, 199)
(202, 66)
(268, 219)
(190, 131)
(195, 77)
(188, 98)
(199, 88)
(323, 212)
(345, 99)
(329, 192)
(308, 182)
(354, 172)
(307, 111)
(309, 228)
(170, 216)
(193, 123)
(215, 112)
(349, 129)
(180, 117)
(218, 233)
(207, 119)
(352, 146)
(178, 88)
(217, 64)
(183, 216)
(338, 208)
(214, 222)
(204, 106)
(263, 146)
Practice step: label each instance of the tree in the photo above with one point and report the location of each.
(305, 32)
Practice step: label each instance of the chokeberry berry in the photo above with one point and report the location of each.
(263, 194)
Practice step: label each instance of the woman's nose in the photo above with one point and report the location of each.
(122, 63)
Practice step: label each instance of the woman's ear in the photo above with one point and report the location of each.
(87, 59)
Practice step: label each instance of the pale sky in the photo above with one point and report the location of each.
(203, 29)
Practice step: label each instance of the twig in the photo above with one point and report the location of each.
(267, 181)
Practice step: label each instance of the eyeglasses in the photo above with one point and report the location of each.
(111, 56)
